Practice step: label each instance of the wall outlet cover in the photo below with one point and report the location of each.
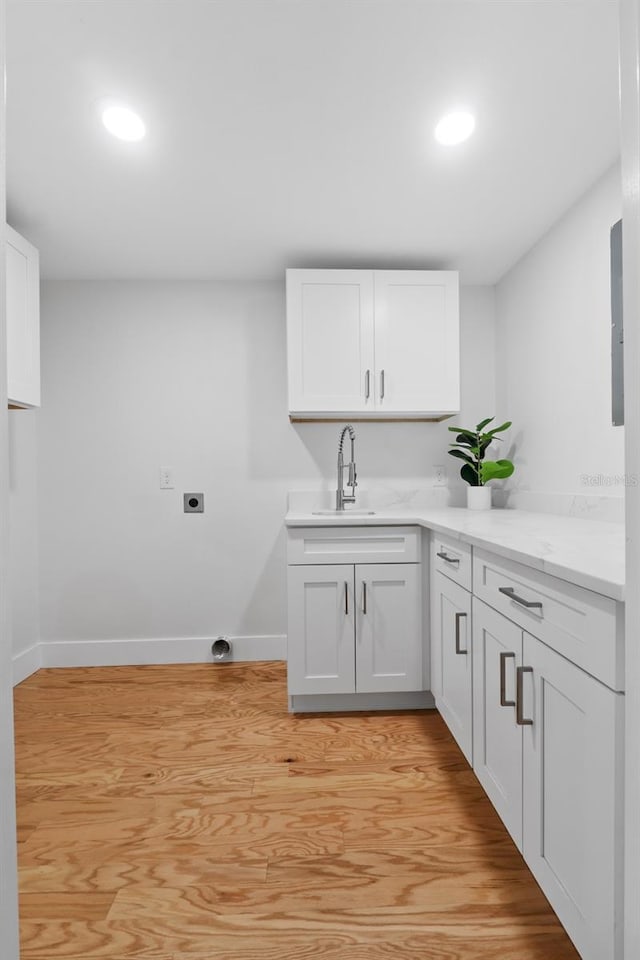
(166, 478)
(439, 476)
(194, 502)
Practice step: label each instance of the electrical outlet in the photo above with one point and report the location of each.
(194, 502)
(439, 476)
(166, 478)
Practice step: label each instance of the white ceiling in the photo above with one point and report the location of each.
(299, 132)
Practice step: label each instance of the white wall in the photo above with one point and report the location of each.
(553, 337)
(193, 376)
(23, 531)
(8, 860)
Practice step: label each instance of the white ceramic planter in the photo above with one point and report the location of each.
(479, 498)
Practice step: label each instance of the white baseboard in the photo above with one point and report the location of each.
(330, 702)
(112, 653)
(26, 663)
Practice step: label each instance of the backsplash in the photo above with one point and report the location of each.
(400, 494)
(610, 509)
(414, 492)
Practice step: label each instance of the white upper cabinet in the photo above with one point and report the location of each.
(330, 341)
(417, 345)
(23, 322)
(373, 344)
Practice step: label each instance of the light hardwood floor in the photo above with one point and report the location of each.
(180, 813)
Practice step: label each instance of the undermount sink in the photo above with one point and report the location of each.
(342, 513)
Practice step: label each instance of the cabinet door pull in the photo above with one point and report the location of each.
(448, 559)
(509, 592)
(459, 649)
(364, 596)
(346, 598)
(367, 384)
(503, 679)
(520, 718)
(382, 384)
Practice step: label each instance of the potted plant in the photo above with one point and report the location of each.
(471, 446)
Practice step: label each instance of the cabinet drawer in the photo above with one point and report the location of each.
(453, 558)
(579, 624)
(353, 545)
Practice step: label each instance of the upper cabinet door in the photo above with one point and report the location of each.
(417, 342)
(23, 322)
(330, 342)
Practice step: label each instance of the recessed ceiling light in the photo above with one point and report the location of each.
(123, 122)
(455, 127)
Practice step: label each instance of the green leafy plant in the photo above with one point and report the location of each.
(471, 446)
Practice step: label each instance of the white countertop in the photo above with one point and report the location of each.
(589, 553)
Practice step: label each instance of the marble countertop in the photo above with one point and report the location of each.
(589, 553)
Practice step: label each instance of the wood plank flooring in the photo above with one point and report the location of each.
(180, 813)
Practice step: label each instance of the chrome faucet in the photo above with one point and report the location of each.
(341, 499)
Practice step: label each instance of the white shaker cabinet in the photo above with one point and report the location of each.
(451, 658)
(321, 624)
(388, 627)
(497, 747)
(451, 637)
(572, 797)
(330, 341)
(417, 350)
(373, 344)
(355, 626)
(548, 748)
(23, 322)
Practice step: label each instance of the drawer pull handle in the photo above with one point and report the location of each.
(346, 598)
(447, 558)
(520, 718)
(367, 384)
(382, 384)
(364, 596)
(459, 649)
(503, 679)
(509, 592)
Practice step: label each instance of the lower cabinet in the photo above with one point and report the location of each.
(540, 717)
(547, 738)
(354, 628)
(388, 635)
(497, 739)
(451, 658)
(321, 621)
(572, 798)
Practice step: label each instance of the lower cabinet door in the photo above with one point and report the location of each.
(451, 658)
(321, 629)
(497, 738)
(572, 796)
(388, 629)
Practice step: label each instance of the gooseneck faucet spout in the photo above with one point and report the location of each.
(352, 482)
